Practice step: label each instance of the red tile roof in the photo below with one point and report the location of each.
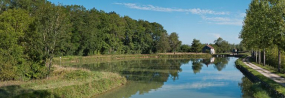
(210, 47)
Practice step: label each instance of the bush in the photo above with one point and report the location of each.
(7, 72)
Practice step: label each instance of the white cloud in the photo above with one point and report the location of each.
(199, 85)
(215, 35)
(216, 18)
(163, 9)
(223, 75)
(223, 20)
(242, 15)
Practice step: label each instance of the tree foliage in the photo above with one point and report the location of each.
(221, 46)
(33, 32)
(196, 46)
(174, 41)
(264, 27)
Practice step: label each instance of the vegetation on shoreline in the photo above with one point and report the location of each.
(270, 82)
(263, 32)
(252, 89)
(110, 58)
(33, 32)
(64, 82)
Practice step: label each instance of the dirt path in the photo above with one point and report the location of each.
(266, 73)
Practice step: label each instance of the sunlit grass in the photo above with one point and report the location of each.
(73, 60)
(65, 82)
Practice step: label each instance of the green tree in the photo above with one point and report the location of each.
(264, 16)
(46, 30)
(196, 46)
(174, 42)
(185, 48)
(163, 43)
(53, 26)
(13, 24)
(278, 26)
(222, 45)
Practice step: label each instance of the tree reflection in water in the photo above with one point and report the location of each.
(196, 65)
(146, 76)
(219, 63)
(142, 75)
(245, 86)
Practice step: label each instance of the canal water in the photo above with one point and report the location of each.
(181, 78)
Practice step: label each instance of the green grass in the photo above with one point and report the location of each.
(267, 67)
(279, 88)
(71, 83)
(72, 60)
(222, 53)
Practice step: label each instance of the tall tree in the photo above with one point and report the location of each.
(278, 26)
(222, 45)
(196, 46)
(53, 25)
(163, 44)
(13, 24)
(174, 41)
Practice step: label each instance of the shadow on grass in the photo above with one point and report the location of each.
(16, 91)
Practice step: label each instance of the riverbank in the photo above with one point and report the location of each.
(275, 88)
(79, 82)
(67, 60)
(63, 82)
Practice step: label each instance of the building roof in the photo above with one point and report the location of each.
(210, 46)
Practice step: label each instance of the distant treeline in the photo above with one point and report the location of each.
(32, 32)
(220, 45)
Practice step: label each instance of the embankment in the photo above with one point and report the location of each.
(274, 88)
(66, 60)
(63, 83)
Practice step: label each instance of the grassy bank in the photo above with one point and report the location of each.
(267, 67)
(277, 87)
(72, 82)
(107, 58)
(64, 82)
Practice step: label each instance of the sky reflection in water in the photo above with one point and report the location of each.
(183, 79)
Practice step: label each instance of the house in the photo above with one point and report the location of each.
(207, 62)
(208, 49)
(235, 52)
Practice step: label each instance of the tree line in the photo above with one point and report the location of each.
(33, 32)
(220, 45)
(263, 31)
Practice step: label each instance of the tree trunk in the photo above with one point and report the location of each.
(259, 57)
(279, 60)
(264, 57)
(255, 56)
(252, 54)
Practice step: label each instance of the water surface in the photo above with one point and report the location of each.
(182, 78)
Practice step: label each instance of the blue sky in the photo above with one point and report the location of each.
(205, 20)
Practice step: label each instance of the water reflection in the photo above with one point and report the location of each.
(143, 76)
(245, 86)
(168, 78)
(142, 70)
(219, 63)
